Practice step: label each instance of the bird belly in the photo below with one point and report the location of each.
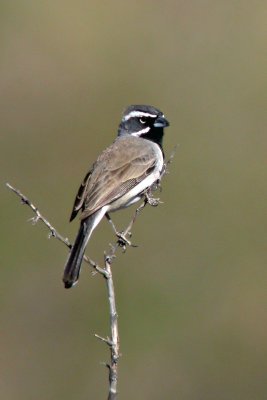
(123, 202)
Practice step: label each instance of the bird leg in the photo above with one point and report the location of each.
(122, 240)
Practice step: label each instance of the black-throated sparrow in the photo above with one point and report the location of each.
(119, 177)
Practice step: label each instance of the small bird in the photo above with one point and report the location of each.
(119, 177)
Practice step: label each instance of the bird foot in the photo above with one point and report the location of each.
(152, 201)
(123, 241)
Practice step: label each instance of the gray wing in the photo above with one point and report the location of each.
(79, 200)
(117, 170)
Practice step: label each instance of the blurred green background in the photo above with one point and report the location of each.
(192, 297)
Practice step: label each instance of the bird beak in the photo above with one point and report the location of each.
(161, 122)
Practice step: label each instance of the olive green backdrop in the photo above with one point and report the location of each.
(192, 297)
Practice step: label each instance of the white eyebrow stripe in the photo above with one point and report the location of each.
(137, 114)
(139, 133)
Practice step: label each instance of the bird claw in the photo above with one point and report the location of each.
(152, 201)
(123, 241)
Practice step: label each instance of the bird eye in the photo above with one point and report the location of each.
(142, 120)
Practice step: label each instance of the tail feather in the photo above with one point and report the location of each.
(74, 262)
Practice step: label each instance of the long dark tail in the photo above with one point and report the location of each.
(74, 262)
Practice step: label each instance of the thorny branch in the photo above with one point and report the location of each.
(106, 271)
(52, 231)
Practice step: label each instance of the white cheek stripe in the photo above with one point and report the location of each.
(138, 114)
(139, 133)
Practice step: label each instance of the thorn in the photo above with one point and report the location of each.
(34, 220)
(109, 258)
(106, 340)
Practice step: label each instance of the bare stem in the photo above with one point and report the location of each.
(114, 330)
(113, 342)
